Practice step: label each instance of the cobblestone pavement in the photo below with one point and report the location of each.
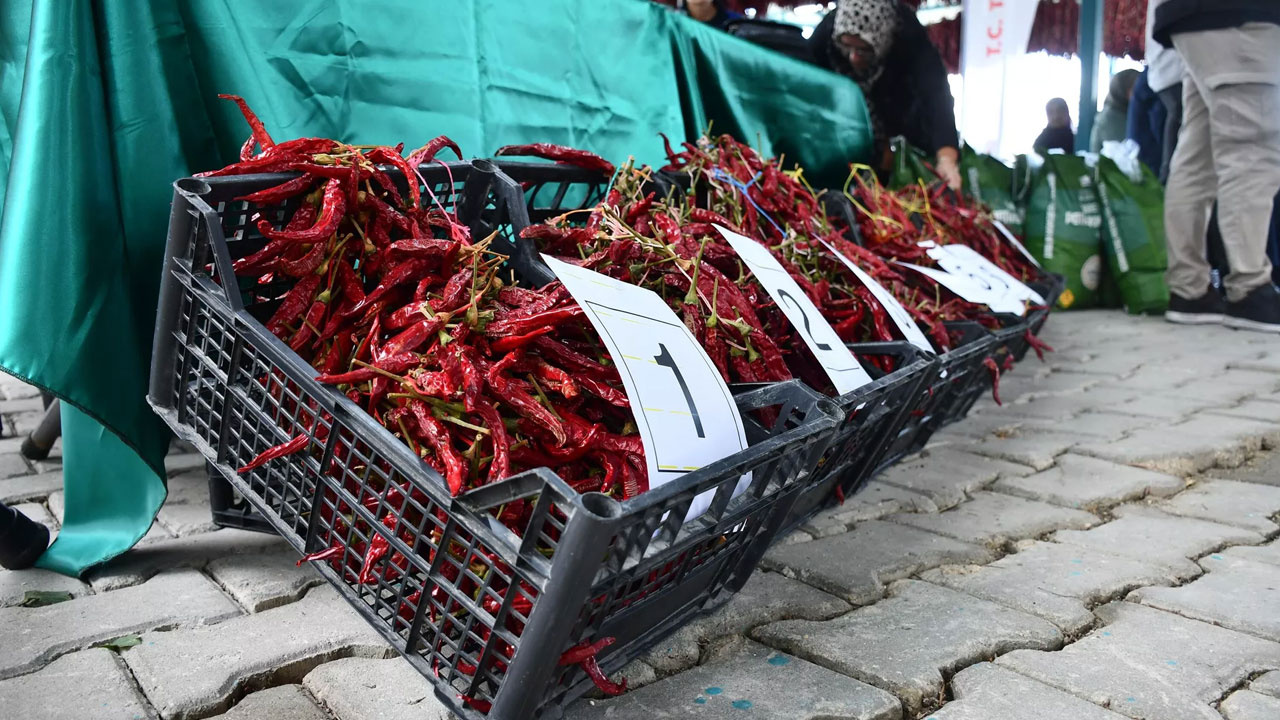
(1102, 546)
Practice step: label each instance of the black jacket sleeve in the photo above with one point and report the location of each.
(917, 100)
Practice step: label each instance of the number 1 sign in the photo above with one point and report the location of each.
(685, 413)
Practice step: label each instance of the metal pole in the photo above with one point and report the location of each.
(1090, 46)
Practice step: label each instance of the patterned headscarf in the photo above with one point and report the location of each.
(875, 21)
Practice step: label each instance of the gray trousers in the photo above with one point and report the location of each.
(1228, 149)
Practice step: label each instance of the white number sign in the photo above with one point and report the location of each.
(841, 366)
(686, 415)
(899, 314)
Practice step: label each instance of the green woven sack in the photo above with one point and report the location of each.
(1133, 235)
(989, 181)
(1063, 225)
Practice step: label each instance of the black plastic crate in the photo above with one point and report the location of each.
(230, 509)
(963, 376)
(876, 420)
(483, 612)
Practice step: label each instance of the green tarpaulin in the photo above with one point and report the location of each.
(105, 103)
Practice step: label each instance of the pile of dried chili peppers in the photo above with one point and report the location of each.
(397, 306)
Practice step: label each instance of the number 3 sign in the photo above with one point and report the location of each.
(685, 413)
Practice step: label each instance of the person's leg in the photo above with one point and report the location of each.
(1244, 129)
(1188, 197)
(1171, 98)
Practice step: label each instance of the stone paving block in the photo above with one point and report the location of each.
(367, 689)
(15, 389)
(144, 561)
(946, 475)
(287, 702)
(261, 581)
(1236, 594)
(1267, 363)
(12, 464)
(16, 583)
(1101, 425)
(1159, 406)
(186, 510)
(1247, 705)
(1058, 582)
(24, 488)
(34, 636)
(1080, 481)
(989, 692)
(1189, 446)
(178, 463)
(766, 597)
(995, 519)
(1267, 684)
(40, 514)
(872, 502)
(1148, 534)
(1245, 505)
(24, 422)
(196, 672)
(906, 642)
(1021, 388)
(1036, 449)
(86, 684)
(1269, 553)
(1059, 409)
(749, 681)
(858, 564)
(1253, 410)
(977, 427)
(1150, 664)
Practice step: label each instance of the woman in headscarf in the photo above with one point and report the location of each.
(1110, 123)
(883, 47)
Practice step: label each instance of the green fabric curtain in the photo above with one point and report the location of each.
(105, 103)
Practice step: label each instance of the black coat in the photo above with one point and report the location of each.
(911, 96)
(1179, 16)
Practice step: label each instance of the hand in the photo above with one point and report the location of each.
(948, 167)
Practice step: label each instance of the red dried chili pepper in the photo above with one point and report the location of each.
(561, 154)
(994, 369)
(1040, 346)
(294, 303)
(428, 152)
(389, 156)
(276, 451)
(331, 214)
(279, 193)
(260, 135)
(438, 435)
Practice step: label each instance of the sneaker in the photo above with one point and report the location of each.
(1259, 310)
(1204, 310)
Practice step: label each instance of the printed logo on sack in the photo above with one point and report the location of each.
(1091, 272)
(1082, 218)
(1067, 298)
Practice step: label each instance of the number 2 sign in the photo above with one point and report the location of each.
(684, 411)
(844, 370)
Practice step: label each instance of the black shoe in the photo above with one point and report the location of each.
(1207, 309)
(1259, 310)
(22, 540)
